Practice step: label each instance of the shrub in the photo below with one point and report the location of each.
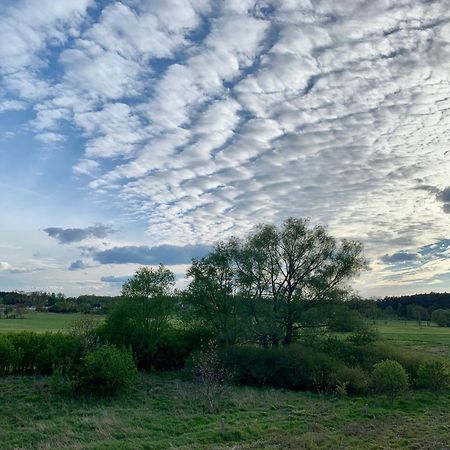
(8, 356)
(390, 378)
(105, 372)
(34, 353)
(293, 367)
(356, 380)
(378, 352)
(433, 375)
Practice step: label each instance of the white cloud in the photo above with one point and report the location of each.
(204, 118)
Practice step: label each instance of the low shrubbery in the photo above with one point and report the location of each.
(33, 353)
(105, 371)
(433, 375)
(390, 378)
(295, 367)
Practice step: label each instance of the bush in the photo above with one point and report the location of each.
(433, 375)
(105, 372)
(293, 367)
(8, 356)
(34, 353)
(355, 379)
(389, 377)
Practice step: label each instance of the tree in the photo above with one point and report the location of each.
(149, 289)
(441, 317)
(295, 267)
(278, 274)
(212, 294)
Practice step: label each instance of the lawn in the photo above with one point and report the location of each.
(407, 334)
(39, 322)
(164, 412)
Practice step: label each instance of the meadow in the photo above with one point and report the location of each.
(40, 322)
(163, 410)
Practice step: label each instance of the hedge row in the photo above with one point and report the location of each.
(32, 353)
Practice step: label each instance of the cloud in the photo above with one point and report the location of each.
(78, 265)
(115, 280)
(200, 119)
(401, 257)
(71, 235)
(444, 197)
(4, 266)
(164, 254)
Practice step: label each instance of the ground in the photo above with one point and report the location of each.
(165, 412)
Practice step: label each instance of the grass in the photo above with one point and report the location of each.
(164, 412)
(411, 336)
(39, 322)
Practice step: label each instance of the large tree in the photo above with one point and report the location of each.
(280, 274)
(149, 290)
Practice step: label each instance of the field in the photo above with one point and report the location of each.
(39, 322)
(411, 336)
(163, 411)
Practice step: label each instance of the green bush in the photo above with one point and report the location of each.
(105, 372)
(390, 378)
(8, 356)
(293, 367)
(355, 379)
(166, 351)
(433, 375)
(33, 353)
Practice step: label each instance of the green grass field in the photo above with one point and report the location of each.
(164, 412)
(39, 322)
(409, 335)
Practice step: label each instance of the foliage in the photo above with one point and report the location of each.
(274, 277)
(390, 378)
(356, 380)
(148, 293)
(441, 317)
(293, 367)
(433, 375)
(105, 372)
(33, 353)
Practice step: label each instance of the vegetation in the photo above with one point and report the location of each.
(271, 311)
(389, 377)
(163, 412)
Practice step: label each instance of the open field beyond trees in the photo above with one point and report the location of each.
(40, 322)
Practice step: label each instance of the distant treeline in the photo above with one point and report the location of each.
(44, 301)
(406, 306)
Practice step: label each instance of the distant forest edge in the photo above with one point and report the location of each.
(17, 302)
(418, 307)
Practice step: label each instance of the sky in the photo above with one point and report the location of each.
(145, 131)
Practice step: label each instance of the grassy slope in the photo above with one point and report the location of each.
(39, 322)
(164, 412)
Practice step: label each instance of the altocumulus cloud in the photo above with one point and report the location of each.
(70, 235)
(203, 118)
(164, 254)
